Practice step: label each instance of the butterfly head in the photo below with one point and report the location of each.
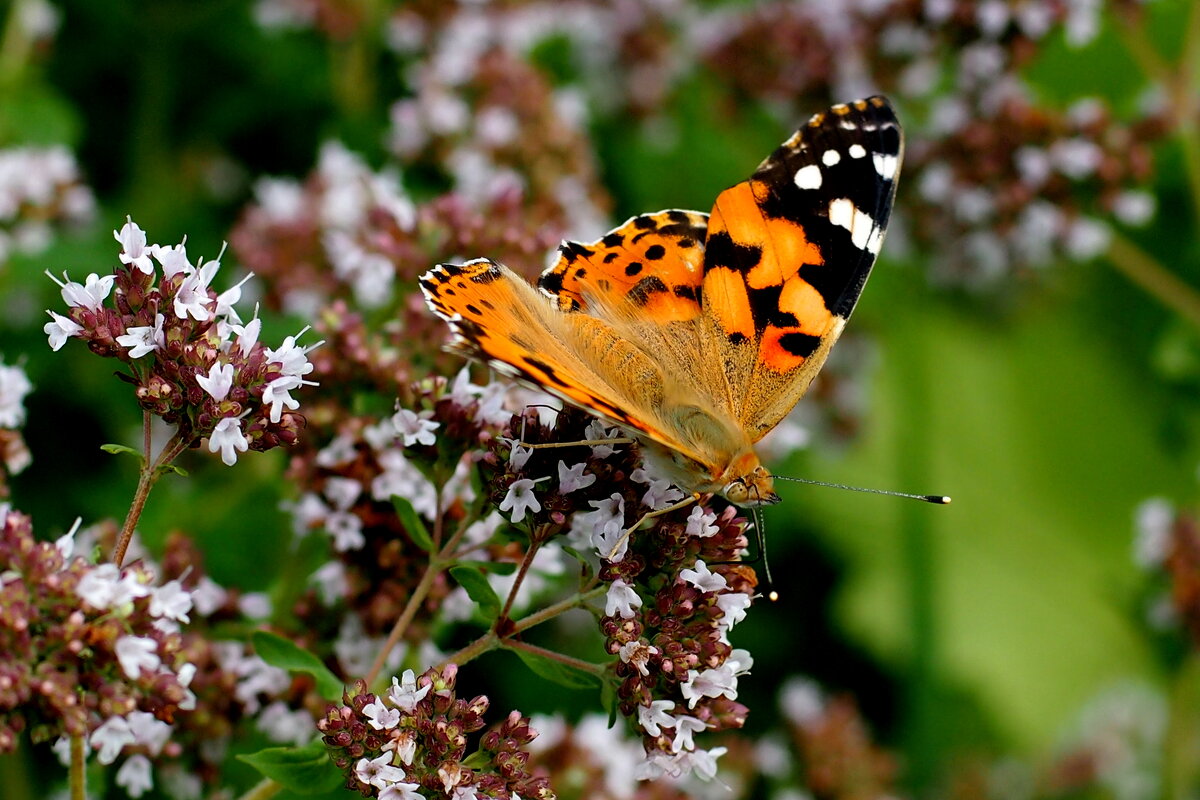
(751, 484)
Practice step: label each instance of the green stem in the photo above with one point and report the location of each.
(1152, 277)
(151, 472)
(78, 770)
(484, 644)
(415, 601)
(1187, 107)
(562, 606)
(262, 790)
(577, 663)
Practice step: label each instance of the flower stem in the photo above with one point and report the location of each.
(552, 611)
(1144, 270)
(522, 571)
(262, 790)
(570, 661)
(151, 472)
(415, 600)
(484, 644)
(78, 770)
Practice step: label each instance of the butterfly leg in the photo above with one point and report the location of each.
(584, 442)
(685, 502)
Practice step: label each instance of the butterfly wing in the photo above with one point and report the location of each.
(789, 251)
(595, 363)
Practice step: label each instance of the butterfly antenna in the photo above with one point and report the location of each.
(936, 499)
(760, 534)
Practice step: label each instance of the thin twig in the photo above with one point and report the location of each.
(78, 771)
(150, 474)
(570, 661)
(1144, 270)
(552, 611)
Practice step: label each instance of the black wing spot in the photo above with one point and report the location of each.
(724, 252)
(551, 282)
(611, 257)
(633, 268)
(686, 242)
(613, 239)
(474, 309)
(644, 289)
(687, 292)
(801, 345)
(643, 222)
(736, 337)
(655, 251)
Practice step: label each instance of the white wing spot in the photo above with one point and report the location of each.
(830, 157)
(864, 233)
(856, 151)
(809, 177)
(885, 165)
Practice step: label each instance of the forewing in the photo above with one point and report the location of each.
(789, 250)
(498, 318)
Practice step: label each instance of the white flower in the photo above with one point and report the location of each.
(380, 717)
(110, 738)
(227, 299)
(734, 605)
(136, 653)
(571, 479)
(518, 455)
(700, 523)
(415, 428)
(404, 693)
(520, 498)
(59, 329)
(709, 683)
(1154, 519)
(342, 492)
(637, 653)
(229, 439)
(339, 451)
(595, 431)
(801, 702)
(208, 596)
(378, 772)
(703, 579)
(656, 716)
(192, 298)
(346, 531)
(292, 359)
(283, 724)
(247, 335)
(143, 339)
(103, 587)
(172, 601)
(149, 731)
(14, 385)
(133, 246)
(610, 541)
(685, 727)
(218, 382)
(331, 583)
(276, 395)
(173, 259)
(90, 295)
(402, 791)
(621, 600)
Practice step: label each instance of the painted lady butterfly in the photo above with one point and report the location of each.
(699, 333)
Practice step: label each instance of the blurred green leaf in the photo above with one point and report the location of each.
(412, 523)
(303, 770)
(478, 589)
(285, 654)
(556, 671)
(116, 449)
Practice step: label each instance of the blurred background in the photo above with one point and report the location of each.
(1027, 344)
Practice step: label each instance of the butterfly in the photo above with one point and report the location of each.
(698, 333)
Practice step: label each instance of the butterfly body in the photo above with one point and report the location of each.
(698, 333)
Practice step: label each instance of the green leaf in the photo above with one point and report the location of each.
(173, 468)
(557, 671)
(285, 654)
(478, 589)
(412, 523)
(494, 567)
(303, 770)
(116, 449)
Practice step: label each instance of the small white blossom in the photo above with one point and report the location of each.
(572, 479)
(380, 717)
(144, 339)
(292, 358)
(136, 653)
(718, 682)
(14, 386)
(402, 791)
(192, 298)
(734, 605)
(518, 455)
(229, 439)
(656, 716)
(378, 772)
(700, 523)
(703, 579)
(596, 431)
(685, 728)
(173, 259)
(520, 498)
(415, 428)
(276, 395)
(133, 246)
(621, 600)
(172, 601)
(109, 739)
(283, 724)
(148, 731)
(1154, 519)
(637, 653)
(90, 295)
(404, 693)
(217, 382)
(59, 329)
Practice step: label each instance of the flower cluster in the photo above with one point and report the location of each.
(40, 189)
(1168, 543)
(416, 737)
(674, 589)
(87, 650)
(14, 455)
(194, 362)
